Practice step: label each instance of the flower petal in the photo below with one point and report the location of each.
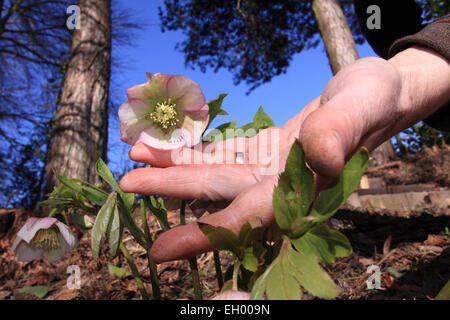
(33, 225)
(152, 91)
(132, 121)
(58, 253)
(155, 138)
(25, 252)
(185, 93)
(68, 237)
(194, 124)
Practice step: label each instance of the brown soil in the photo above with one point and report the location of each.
(431, 165)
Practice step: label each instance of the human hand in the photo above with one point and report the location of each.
(363, 105)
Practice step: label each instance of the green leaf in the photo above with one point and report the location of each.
(327, 244)
(262, 120)
(102, 222)
(116, 271)
(126, 216)
(444, 294)
(114, 232)
(249, 261)
(295, 191)
(106, 174)
(80, 220)
(253, 230)
(332, 198)
(219, 133)
(70, 183)
(158, 209)
(95, 195)
(215, 107)
(290, 270)
(221, 238)
(38, 291)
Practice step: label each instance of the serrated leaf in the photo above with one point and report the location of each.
(290, 270)
(332, 198)
(116, 271)
(106, 174)
(102, 222)
(215, 107)
(219, 133)
(38, 291)
(327, 244)
(295, 191)
(221, 238)
(262, 120)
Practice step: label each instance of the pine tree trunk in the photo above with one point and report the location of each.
(81, 126)
(341, 51)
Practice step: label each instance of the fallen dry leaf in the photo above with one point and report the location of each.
(387, 245)
(388, 280)
(435, 241)
(66, 294)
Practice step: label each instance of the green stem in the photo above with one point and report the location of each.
(151, 264)
(237, 265)
(135, 271)
(192, 261)
(219, 274)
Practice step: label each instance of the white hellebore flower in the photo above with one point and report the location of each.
(43, 236)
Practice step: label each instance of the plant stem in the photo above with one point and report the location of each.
(219, 274)
(237, 265)
(135, 271)
(151, 264)
(192, 261)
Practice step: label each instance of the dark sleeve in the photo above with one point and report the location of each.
(435, 36)
(401, 28)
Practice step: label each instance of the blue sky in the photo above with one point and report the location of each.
(154, 51)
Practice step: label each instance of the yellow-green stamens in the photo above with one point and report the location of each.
(47, 239)
(165, 114)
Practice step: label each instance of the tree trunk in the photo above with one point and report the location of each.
(341, 51)
(81, 126)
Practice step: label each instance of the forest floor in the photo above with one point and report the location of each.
(412, 250)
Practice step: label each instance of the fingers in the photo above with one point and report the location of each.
(215, 182)
(186, 241)
(164, 158)
(352, 118)
(221, 152)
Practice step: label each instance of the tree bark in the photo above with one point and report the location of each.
(341, 51)
(81, 127)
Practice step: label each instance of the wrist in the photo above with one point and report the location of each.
(425, 77)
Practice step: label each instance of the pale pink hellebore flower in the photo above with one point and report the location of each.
(232, 295)
(168, 112)
(43, 236)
